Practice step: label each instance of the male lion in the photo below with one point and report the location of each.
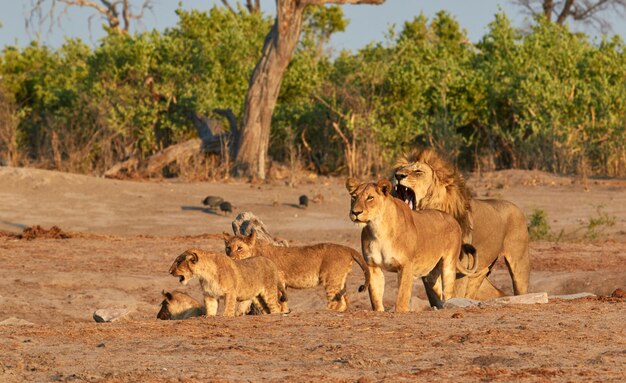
(178, 305)
(253, 279)
(424, 243)
(494, 227)
(305, 267)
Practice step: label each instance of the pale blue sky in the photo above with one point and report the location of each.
(367, 22)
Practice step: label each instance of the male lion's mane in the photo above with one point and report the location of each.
(448, 192)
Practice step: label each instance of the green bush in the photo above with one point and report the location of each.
(538, 226)
(548, 99)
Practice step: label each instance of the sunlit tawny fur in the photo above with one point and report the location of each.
(254, 279)
(494, 227)
(422, 244)
(177, 305)
(305, 267)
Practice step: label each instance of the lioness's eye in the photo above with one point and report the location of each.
(369, 198)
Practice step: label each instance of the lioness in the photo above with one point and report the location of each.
(178, 305)
(424, 243)
(235, 281)
(494, 227)
(305, 267)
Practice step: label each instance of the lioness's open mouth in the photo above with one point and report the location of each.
(407, 195)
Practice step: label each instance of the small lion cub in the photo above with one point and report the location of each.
(254, 279)
(305, 267)
(178, 305)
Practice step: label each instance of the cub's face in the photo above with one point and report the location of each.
(367, 199)
(414, 179)
(175, 303)
(184, 266)
(237, 247)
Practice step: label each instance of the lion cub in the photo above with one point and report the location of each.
(254, 279)
(178, 305)
(423, 243)
(305, 267)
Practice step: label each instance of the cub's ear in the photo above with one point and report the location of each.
(384, 185)
(167, 295)
(352, 184)
(226, 236)
(192, 257)
(252, 238)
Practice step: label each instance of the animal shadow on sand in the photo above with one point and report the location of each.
(294, 205)
(206, 210)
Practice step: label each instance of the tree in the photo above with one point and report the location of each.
(117, 13)
(266, 79)
(587, 11)
(251, 6)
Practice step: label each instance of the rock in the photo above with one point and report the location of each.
(526, 299)
(13, 321)
(246, 222)
(460, 302)
(572, 296)
(109, 315)
(418, 305)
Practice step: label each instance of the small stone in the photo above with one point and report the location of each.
(460, 302)
(572, 296)
(13, 321)
(457, 315)
(109, 315)
(526, 299)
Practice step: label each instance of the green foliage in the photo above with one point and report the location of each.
(547, 99)
(599, 223)
(538, 226)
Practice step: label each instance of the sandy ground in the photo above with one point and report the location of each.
(124, 236)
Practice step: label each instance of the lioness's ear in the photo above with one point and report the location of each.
(385, 186)
(352, 184)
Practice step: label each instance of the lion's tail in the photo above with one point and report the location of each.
(358, 258)
(471, 252)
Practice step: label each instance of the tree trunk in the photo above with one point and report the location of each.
(265, 81)
(264, 86)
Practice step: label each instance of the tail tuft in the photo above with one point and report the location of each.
(468, 249)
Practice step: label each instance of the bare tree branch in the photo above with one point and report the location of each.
(592, 12)
(341, 2)
(253, 7)
(565, 12)
(111, 11)
(227, 5)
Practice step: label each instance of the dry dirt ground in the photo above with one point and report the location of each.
(123, 236)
